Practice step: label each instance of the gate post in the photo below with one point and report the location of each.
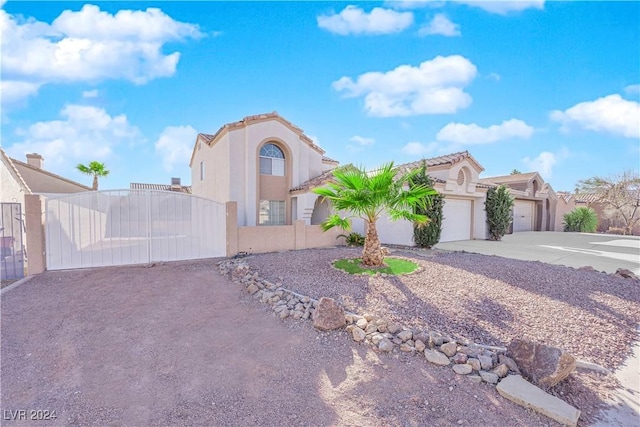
(231, 230)
(34, 223)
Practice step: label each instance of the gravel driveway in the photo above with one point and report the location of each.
(177, 344)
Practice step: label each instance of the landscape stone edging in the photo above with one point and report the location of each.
(487, 363)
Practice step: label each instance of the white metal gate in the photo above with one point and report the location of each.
(120, 227)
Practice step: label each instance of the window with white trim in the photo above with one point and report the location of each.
(202, 170)
(272, 212)
(271, 160)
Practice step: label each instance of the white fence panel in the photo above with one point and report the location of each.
(95, 229)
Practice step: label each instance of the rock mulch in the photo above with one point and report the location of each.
(482, 363)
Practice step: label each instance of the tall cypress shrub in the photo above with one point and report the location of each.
(426, 236)
(498, 207)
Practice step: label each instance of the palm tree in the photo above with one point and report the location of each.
(367, 195)
(96, 169)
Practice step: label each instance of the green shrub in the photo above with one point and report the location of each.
(582, 220)
(353, 239)
(426, 236)
(498, 207)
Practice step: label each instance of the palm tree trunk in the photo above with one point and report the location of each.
(95, 182)
(372, 255)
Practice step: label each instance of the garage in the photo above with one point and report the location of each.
(456, 224)
(523, 215)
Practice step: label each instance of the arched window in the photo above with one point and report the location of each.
(271, 160)
(461, 176)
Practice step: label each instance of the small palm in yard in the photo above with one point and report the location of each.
(367, 196)
(95, 169)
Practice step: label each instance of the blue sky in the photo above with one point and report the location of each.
(531, 85)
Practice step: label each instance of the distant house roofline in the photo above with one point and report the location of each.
(50, 174)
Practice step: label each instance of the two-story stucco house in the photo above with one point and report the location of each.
(256, 162)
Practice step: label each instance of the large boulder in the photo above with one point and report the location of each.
(328, 315)
(542, 364)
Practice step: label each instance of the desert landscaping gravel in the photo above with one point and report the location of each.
(178, 344)
(486, 299)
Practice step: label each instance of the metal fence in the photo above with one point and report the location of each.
(12, 253)
(120, 227)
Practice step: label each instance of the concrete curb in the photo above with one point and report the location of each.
(15, 285)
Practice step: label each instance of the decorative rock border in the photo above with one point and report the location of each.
(480, 363)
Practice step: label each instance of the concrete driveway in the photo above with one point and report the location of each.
(604, 252)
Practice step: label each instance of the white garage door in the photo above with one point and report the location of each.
(456, 224)
(523, 215)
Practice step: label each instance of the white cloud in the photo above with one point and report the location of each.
(413, 4)
(354, 20)
(440, 25)
(544, 163)
(91, 45)
(90, 93)
(83, 134)
(360, 140)
(494, 76)
(360, 143)
(13, 91)
(418, 149)
(175, 145)
(632, 89)
(503, 7)
(434, 87)
(473, 134)
(610, 114)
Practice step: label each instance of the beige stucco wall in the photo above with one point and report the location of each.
(562, 208)
(232, 167)
(216, 183)
(10, 190)
(262, 239)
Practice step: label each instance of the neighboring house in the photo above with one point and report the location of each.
(18, 180)
(456, 177)
(256, 162)
(608, 219)
(174, 186)
(535, 201)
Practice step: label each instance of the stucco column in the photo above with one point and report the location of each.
(231, 230)
(34, 223)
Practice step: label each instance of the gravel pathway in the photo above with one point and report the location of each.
(487, 299)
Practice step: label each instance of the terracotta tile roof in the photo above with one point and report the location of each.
(322, 179)
(447, 159)
(587, 197)
(507, 179)
(158, 187)
(206, 137)
(258, 118)
(326, 159)
(565, 195)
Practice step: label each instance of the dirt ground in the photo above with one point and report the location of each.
(177, 344)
